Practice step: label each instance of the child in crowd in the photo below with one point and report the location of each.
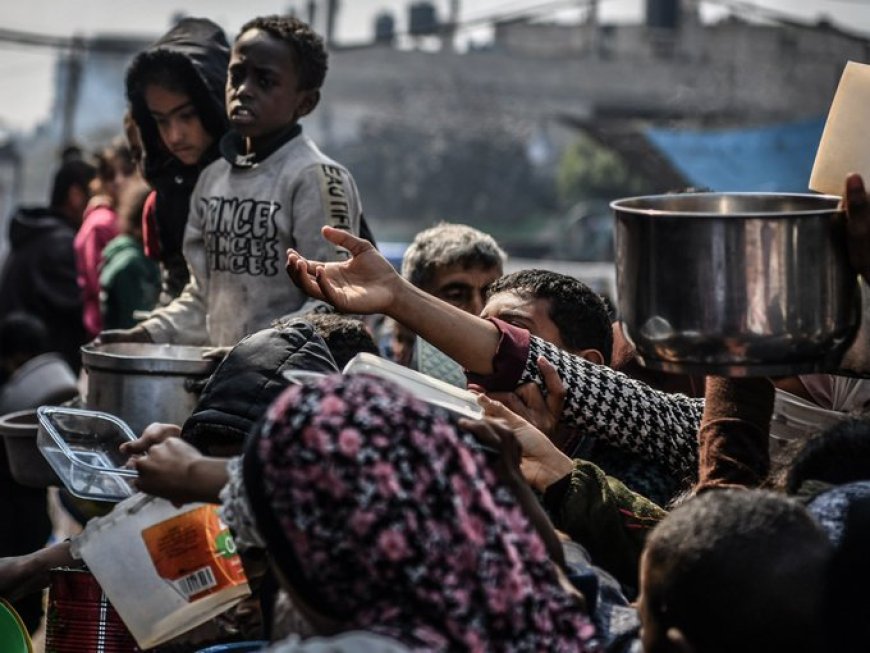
(30, 375)
(499, 356)
(735, 570)
(176, 93)
(385, 539)
(115, 168)
(39, 274)
(273, 189)
(129, 281)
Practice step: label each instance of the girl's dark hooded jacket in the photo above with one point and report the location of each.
(197, 51)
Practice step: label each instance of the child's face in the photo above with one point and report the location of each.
(263, 93)
(178, 123)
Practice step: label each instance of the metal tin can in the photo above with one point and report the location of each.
(80, 617)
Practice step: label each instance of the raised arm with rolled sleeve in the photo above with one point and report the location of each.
(619, 410)
(606, 403)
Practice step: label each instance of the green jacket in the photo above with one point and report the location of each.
(128, 282)
(603, 515)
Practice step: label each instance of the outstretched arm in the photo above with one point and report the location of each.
(367, 283)
(23, 575)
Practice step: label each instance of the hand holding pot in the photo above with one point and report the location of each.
(857, 206)
(134, 334)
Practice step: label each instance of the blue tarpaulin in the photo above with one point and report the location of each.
(774, 158)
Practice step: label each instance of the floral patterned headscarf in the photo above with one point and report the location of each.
(382, 516)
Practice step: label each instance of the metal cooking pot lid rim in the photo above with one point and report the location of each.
(620, 205)
(100, 350)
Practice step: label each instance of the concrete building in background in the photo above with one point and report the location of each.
(528, 92)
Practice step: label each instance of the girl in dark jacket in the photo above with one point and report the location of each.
(176, 93)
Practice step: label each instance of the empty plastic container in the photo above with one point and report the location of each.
(82, 447)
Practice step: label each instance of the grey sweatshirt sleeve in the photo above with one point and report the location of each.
(325, 195)
(183, 321)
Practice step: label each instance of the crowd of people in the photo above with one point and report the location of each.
(597, 505)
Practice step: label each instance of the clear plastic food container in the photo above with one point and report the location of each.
(82, 446)
(430, 390)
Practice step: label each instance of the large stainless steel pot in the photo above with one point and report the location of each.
(144, 383)
(735, 284)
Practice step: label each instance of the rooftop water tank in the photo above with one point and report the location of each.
(663, 14)
(422, 19)
(385, 27)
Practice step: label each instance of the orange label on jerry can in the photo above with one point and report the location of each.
(195, 553)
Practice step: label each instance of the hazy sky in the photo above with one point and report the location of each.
(26, 72)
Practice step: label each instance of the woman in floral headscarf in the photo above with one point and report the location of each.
(389, 526)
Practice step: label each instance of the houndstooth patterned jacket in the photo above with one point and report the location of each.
(607, 404)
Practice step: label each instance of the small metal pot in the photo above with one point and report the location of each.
(144, 383)
(26, 462)
(737, 284)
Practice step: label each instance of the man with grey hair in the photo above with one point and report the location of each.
(455, 263)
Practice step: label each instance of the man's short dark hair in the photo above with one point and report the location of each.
(307, 45)
(344, 335)
(740, 570)
(71, 173)
(577, 311)
(448, 244)
(839, 455)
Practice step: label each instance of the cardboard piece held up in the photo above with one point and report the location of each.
(845, 144)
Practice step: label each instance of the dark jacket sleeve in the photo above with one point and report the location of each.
(133, 287)
(248, 380)
(54, 279)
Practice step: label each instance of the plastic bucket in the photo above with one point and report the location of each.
(165, 569)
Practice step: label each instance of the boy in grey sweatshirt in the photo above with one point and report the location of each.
(271, 190)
